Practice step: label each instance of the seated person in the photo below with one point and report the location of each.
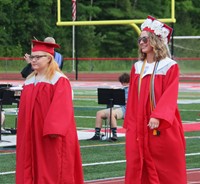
(3, 131)
(28, 69)
(117, 112)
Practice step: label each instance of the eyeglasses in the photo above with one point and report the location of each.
(36, 57)
(144, 39)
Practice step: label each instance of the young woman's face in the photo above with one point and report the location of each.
(144, 43)
(39, 60)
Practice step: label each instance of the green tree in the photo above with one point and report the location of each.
(22, 20)
(188, 17)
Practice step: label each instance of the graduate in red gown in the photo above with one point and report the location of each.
(48, 150)
(155, 144)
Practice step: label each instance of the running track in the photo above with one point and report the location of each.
(193, 177)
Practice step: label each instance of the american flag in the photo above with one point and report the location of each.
(73, 10)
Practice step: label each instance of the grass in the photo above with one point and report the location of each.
(97, 66)
(95, 154)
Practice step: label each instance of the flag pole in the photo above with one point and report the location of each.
(73, 34)
(73, 48)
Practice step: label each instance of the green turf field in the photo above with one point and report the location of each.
(103, 159)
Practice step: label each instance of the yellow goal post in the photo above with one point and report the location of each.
(132, 23)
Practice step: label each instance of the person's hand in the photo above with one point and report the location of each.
(26, 57)
(53, 135)
(153, 123)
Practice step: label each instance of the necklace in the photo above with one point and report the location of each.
(152, 94)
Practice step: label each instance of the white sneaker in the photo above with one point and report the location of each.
(3, 131)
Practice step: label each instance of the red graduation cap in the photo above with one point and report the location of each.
(160, 29)
(44, 46)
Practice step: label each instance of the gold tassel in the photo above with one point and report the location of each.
(156, 132)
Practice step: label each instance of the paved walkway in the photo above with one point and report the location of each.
(10, 140)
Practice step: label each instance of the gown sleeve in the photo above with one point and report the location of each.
(60, 115)
(166, 106)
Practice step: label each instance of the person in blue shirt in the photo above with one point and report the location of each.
(118, 112)
(58, 58)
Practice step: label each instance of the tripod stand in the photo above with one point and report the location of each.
(110, 97)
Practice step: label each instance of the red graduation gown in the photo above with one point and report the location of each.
(46, 108)
(154, 159)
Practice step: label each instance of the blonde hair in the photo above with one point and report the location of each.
(52, 68)
(159, 48)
